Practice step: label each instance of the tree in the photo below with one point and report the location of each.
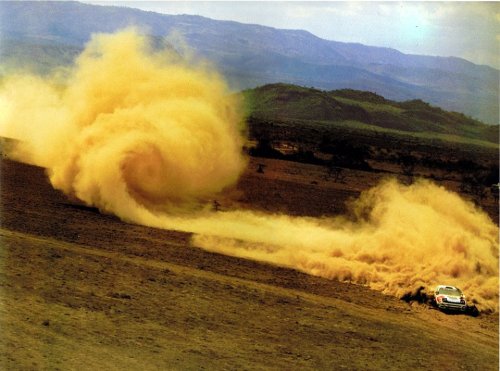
(472, 185)
(264, 148)
(345, 154)
(336, 173)
(407, 164)
(494, 191)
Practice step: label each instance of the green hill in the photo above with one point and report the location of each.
(365, 110)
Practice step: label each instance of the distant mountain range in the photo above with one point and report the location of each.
(52, 33)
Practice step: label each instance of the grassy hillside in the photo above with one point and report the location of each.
(349, 130)
(368, 110)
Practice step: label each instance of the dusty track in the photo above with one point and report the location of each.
(81, 290)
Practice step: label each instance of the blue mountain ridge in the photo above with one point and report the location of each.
(252, 55)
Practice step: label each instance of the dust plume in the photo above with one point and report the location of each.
(149, 137)
(130, 128)
(400, 239)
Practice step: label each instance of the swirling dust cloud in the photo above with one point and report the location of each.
(142, 134)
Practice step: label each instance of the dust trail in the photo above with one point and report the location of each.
(404, 237)
(148, 137)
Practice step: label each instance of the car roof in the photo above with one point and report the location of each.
(447, 287)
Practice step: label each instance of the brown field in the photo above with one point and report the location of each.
(82, 290)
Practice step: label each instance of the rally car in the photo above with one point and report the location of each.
(449, 297)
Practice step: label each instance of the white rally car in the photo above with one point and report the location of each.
(449, 297)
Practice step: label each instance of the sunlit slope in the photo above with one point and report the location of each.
(83, 288)
(364, 109)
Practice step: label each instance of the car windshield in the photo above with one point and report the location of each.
(447, 291)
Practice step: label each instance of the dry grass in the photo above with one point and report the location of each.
(81, 290)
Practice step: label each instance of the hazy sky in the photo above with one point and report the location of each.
(470, 30)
